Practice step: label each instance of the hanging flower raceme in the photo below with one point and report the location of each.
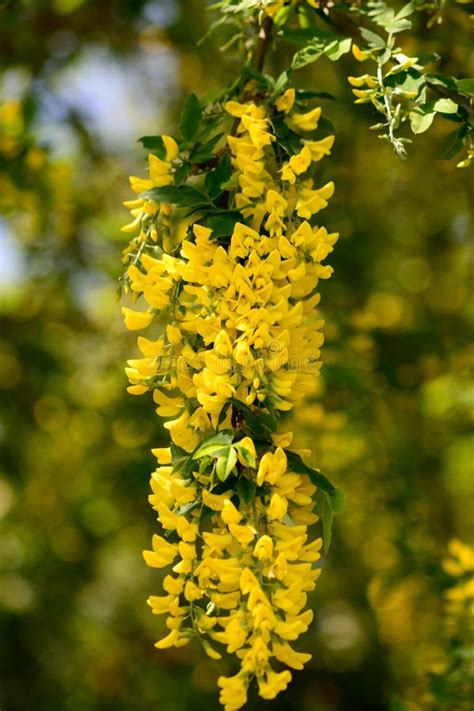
(235, 285)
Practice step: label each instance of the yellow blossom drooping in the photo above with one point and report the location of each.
(240, 343)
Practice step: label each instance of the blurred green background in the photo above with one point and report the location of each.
(392, 425)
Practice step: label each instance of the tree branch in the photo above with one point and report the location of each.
(265, 36)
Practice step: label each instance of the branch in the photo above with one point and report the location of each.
(265, 36)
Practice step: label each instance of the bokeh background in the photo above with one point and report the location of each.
(391, 426)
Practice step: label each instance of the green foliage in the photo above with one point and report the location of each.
(317, 43)
(401, 88)
(226, 463)
(190, 117)
(213, 446)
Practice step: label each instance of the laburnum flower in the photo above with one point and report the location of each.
(242, 340)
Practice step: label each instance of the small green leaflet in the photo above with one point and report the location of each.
(327, 506)
(223, 223)
(185, 508)
(154, 143)
(322, 43)
(296, 464)
(303, 35)
(445, 106)
(190, 117)
(203, 152)
(217, 177)
(181, 195)
(422, 117)
(183, 466)
(181, 173)
(280, 83)
(329, 501)
(465, 86)
(342, 46)
(177, 452)
(246, 490)
(385, 16)
(372, 39)
(454, 142)
(421, 120)
(301, 94)
(226, 463)
(211, 446)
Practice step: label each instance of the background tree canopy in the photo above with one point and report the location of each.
(392, 425)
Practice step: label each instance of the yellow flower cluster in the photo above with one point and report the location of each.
(243, 581)
(242, 335)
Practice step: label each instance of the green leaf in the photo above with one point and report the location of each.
(372, 39)
(445, 106)
(223, 225)
(342, 47)
(186, 508)
(325, 125)
(264, 80)
(440, 80)
(182, 173)
(288, 139)
(301, 35)
(397, 26)
(302, 94)
(190, 117)
(314, 50)
(406, 11)
(420, 120)
(397, 704)
(246, 490)
(154, 143)
(337, 501)
(324, 510)
(281, 83)
(296, 464)
(226, 463)
(454, 142)
(184, 195)
(385, 17)
(409, 80)
(223, 412)
(217, 177)
(282, 16)
(203, 152)
(184, 466)
(465, 86)
(425, 58)
(327, 505)
(177, 452)
(210, 446)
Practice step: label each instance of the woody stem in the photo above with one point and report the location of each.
(265, 36)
